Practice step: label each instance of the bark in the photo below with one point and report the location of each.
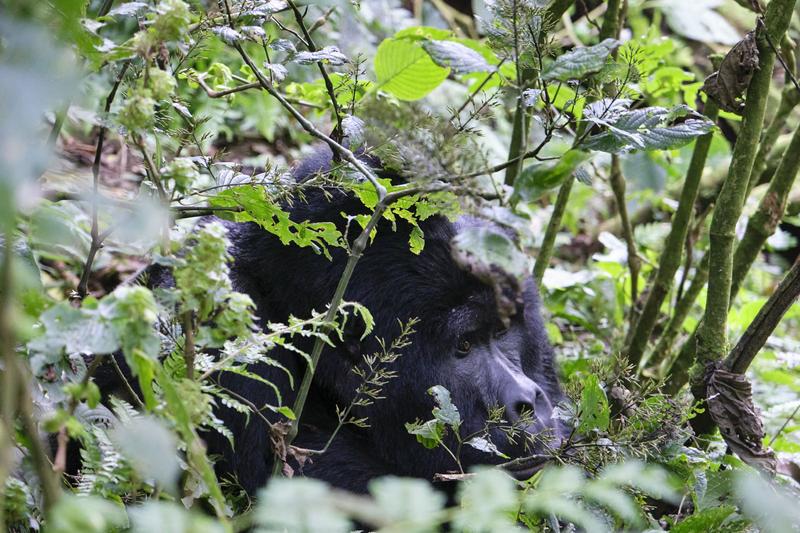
(712, 344)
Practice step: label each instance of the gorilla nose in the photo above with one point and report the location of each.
(528, 401)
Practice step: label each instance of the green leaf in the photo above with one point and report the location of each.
(446, 412)
(404, 69)
(412, 502)
(151, 449)
(300, 505)
(649, 128)
(459, 58)
(174, 517)
(487, 501)
(706, 520)
(577, 63)
(87, 514)
(594, 412)
(538, 178)
(287, 412)
(428, 433)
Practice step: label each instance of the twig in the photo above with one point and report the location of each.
(343, 152)
(328, 83)
(634, 263)
(767, 319)
(97, 242)
(188, 343)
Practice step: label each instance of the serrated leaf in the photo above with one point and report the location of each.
(228, 35)
(330, 55)
(404, 69)
(446, 412)
(459, 58)
(649, 128)
(538, 178)
(577, 63)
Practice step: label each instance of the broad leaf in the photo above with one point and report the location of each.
(404, 69)
(456, 56)
(594, 412)
(577, 63)
(649, 128)
(538, 178)
(445, 412)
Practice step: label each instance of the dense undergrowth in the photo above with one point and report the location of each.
(648, 193)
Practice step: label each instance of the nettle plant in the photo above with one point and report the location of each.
(178, 76)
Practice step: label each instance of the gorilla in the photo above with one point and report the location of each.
(460, 342)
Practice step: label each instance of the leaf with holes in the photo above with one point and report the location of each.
(446, 412)
(594, 413)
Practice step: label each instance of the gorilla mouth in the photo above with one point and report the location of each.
(523, 468)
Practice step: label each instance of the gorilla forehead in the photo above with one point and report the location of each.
(429, 285)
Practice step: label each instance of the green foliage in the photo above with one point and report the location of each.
(149, 76)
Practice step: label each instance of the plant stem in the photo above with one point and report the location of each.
(634, 263)
(357, 249)
(770, 211)
(97, 242)
(553, 226)
(712, 334)
(9, 383)
(790, 97)
(188, 343)
(611, 27)
(765, 322)
(676, 369)
(670, 258)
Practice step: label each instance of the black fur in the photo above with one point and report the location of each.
(394, 284)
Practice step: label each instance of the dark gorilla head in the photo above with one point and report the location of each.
(460, 343)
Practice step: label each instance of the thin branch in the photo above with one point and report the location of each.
(671, 256)
(767, 319)
(634, 263)
(328, 83)
(343, 152)
(97, 243)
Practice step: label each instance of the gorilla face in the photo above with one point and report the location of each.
(461, 344)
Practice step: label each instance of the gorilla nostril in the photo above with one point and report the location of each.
(523, 409)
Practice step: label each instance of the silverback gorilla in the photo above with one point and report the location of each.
(459, 343)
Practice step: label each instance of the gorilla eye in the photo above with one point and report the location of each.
(463, 347)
